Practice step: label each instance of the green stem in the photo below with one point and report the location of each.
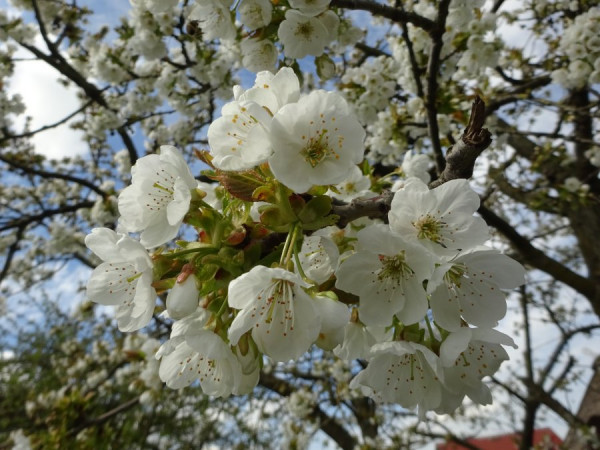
(290, 250)
(208, 249)
(299, 267)
(222, 308)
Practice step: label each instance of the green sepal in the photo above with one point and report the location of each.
(316, 208)
(276, 219)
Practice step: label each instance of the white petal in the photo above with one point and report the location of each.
(103, 242)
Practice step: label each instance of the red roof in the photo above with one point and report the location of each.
(543, 439)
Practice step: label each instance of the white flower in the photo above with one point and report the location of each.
(282, 317)
(271, 91)
(318, 258)
(357, 342)
(402, 372)
(302, 35)
(182, 299)
(355, 185)
(315, 141)
(199, 354)
(440, 219)
(258, 54)
(310, 7)
(255, 14)
(469, 287)
(251, 366)
(387, 274)
(124, 279)
(331, 21)
(158, 197)
(414, 165)
(334, 316)
(214, 18)
(20, 440)
(239, 139)
(468, 355)
(572, 184)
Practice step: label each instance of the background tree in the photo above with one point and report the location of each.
(411, 71)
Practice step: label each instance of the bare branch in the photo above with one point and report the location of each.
(47, 127)
(460, 159)
(433, 67)
(381, 10)
(374, 208)
(54, 175)
(537, 258)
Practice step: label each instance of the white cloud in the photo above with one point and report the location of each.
(47, 101)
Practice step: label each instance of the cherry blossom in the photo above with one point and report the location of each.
(440, 219)
(315, 141)
(302, 35)
(281, 316)
(158, 197)
(123, 279)
(387, 274)
(469, 287)
(406, 373)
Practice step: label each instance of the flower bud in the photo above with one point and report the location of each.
(183, 298)
(325, 67)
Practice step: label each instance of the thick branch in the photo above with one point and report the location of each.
(374, 208)
(433, 67)
(536, 257)
(12, 250)
(381, 10)
(460, 159)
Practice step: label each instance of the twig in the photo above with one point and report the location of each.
(460, 159)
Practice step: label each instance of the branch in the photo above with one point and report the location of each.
(12, 250)
(48, 127)
(27, 220)
(105, 417)
(460, 159)
(378, 9)
(61, 176)
(333, 429)
(374, 208)
(433, 66)
(536, 257)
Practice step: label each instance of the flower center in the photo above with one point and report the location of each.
(304, 29)
(317, 149)
(429, 227)
(455, 274)
(279, 294)
(394, 267)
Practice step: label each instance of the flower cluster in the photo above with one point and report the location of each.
(417, 297)
(307, 140)
(580, 42)
(305, 28)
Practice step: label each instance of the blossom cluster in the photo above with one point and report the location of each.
(580, 43)
(305, 28)
(417, 295)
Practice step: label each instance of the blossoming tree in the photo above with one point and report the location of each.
(327, 205)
